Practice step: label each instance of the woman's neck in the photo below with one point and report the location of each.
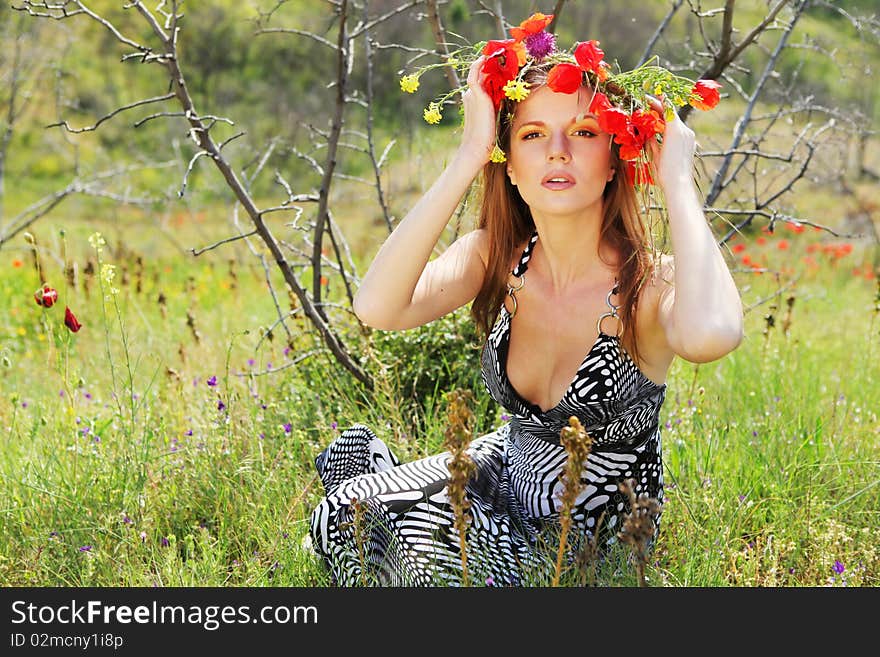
(569, 251)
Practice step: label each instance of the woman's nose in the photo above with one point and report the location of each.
(558, 148)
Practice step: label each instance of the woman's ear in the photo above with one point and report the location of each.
(611, 172)
(510, 175)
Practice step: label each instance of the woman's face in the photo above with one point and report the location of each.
(559, 159)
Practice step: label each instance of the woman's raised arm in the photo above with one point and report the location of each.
(402, 289)
(702, 314)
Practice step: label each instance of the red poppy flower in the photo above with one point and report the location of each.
(704, 95)
(739, 248)
(564, 78)
(503, 59)
(70, 320)
(599, 104)
(630, 146)
(613, 120)
(782, 245)
(589, 56)
(647, 124)
(532, 25)
(46, 296)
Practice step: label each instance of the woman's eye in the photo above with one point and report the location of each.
(584, 132)
(531, 135)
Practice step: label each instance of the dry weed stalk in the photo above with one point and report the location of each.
(577, 446)
(357, 523)
(786, 322)
(638, 526)
(461, 467)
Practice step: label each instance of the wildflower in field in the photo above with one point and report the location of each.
(738, 248)
(96, 240)
(17, 263)
(333, 425)
(46, 296)
(288, 427)
(108, 273)
(251, 362)
(838, 567)
(490, 581)
(70, 320)
(782, 245)
(165, 542)
(220, 405)
(143, 537)
(212, 381)
(704, 95)
(85, 548)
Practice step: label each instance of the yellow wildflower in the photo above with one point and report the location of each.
(432, 114)
(497, 155)
(658, 90)
(670, 114)
(409, 83)
(516, 90)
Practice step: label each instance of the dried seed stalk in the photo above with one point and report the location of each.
(461, 467)
(577, 445)
(638, 526)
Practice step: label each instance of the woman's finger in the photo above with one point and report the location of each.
(474, 72)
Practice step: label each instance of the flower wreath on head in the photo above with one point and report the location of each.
(621, 101)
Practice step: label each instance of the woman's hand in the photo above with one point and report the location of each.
(478, 138)
(674, 159)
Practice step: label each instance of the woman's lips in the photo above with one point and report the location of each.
(557, 181)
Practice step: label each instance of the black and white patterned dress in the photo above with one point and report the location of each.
(404, 530)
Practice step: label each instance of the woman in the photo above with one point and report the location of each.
(560, 210)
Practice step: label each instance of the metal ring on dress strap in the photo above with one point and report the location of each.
(511, 292)
(605, 315)
(610, 313)
(522, 281)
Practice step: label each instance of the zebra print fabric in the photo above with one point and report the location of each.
(386, 523)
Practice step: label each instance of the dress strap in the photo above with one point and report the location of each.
(613, 309)
(520, 271)
(523, 263)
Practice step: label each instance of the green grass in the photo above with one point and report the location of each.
(771, 453)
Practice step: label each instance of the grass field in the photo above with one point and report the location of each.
(170, 442)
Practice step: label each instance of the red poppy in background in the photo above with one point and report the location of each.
(704, 95)
(564, 78)
(46, 296)
(70, 320)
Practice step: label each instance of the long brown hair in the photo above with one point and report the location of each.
(508, 222)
